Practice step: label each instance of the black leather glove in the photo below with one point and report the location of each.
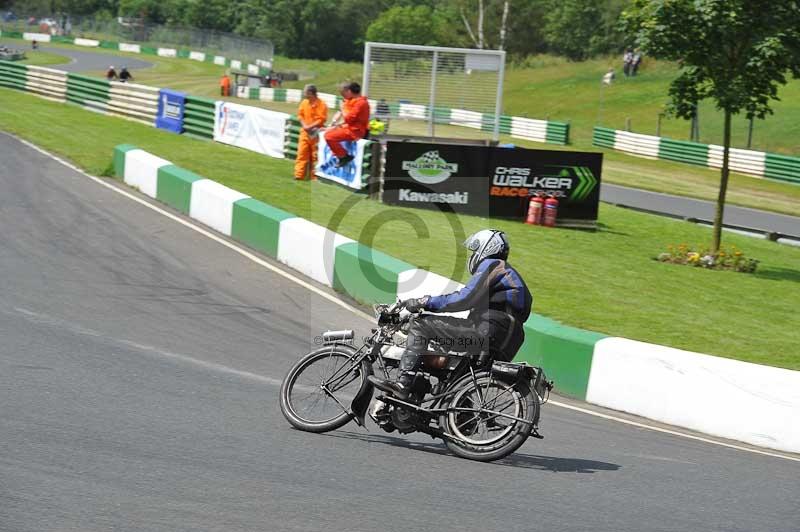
(416, 304)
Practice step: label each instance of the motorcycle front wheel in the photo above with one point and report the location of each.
(317, 391)
(488, 418)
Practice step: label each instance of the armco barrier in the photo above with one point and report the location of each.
(261, 67)
(723, 397)
(515, 126)
(748, 162)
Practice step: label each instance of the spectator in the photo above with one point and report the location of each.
(124, 75)
(111, 74)
(627, 62)
(34, 44)
(350, 124)
(313, 113)
(225, 85)
(636, 61)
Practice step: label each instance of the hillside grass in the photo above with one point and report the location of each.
(605, 281)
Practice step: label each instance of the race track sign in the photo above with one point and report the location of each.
(492, 182)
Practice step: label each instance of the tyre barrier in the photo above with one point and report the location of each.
(722, 397)
(748, 162)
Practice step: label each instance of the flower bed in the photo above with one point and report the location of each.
(727, 258)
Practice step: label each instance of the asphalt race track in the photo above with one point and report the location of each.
(139, 374)
(84, 61)
(703, 210)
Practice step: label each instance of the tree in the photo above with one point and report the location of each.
(736, 52)
(580, 29)
(412, 25)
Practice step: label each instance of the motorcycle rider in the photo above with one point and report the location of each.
(499, 303)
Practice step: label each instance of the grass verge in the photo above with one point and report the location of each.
(605, 281)
(44, 59)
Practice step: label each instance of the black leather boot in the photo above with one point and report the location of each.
(401, 388)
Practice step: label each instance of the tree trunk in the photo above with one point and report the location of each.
(480, 24)
(723, 184)
(469, 29)
(503, 24)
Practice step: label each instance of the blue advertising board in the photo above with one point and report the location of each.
(350, 175)
(171, 105)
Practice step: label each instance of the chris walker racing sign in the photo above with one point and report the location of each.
(489, 181)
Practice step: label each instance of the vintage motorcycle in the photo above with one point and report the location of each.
(482, 410)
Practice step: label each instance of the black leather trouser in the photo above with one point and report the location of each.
(456, 334)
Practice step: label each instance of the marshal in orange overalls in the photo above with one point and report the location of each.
(311, 115)
(355, 113)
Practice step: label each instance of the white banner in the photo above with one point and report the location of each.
(219, 60)
(167, 52)
(197, 56)
(236, 64)
(351, 175)
(251, 128)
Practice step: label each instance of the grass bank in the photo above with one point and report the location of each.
(605, 281)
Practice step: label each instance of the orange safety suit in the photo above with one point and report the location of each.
(225, 86)
(355, 113)
(314, 115)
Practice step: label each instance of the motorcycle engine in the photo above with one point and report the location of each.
(403, 420)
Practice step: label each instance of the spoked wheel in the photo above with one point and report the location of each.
(485, 419)
(316, 394)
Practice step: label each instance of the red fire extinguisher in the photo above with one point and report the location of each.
(550, 212)
(535, 206)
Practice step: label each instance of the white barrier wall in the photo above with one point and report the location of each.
(309, 248)
(719, 396)
(167, 52)
(133, 48)
(87, 42)
(141, 171)
(39, 37)
(212, 204)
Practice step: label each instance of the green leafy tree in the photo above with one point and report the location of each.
(736, 52)
(580, 29)
(413, 25)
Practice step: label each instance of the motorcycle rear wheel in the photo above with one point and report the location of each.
(308, 390)
(485, 437)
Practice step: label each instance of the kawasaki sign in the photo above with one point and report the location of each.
(493, 182)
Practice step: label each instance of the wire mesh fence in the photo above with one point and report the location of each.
(135, 31)
(427, 83)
